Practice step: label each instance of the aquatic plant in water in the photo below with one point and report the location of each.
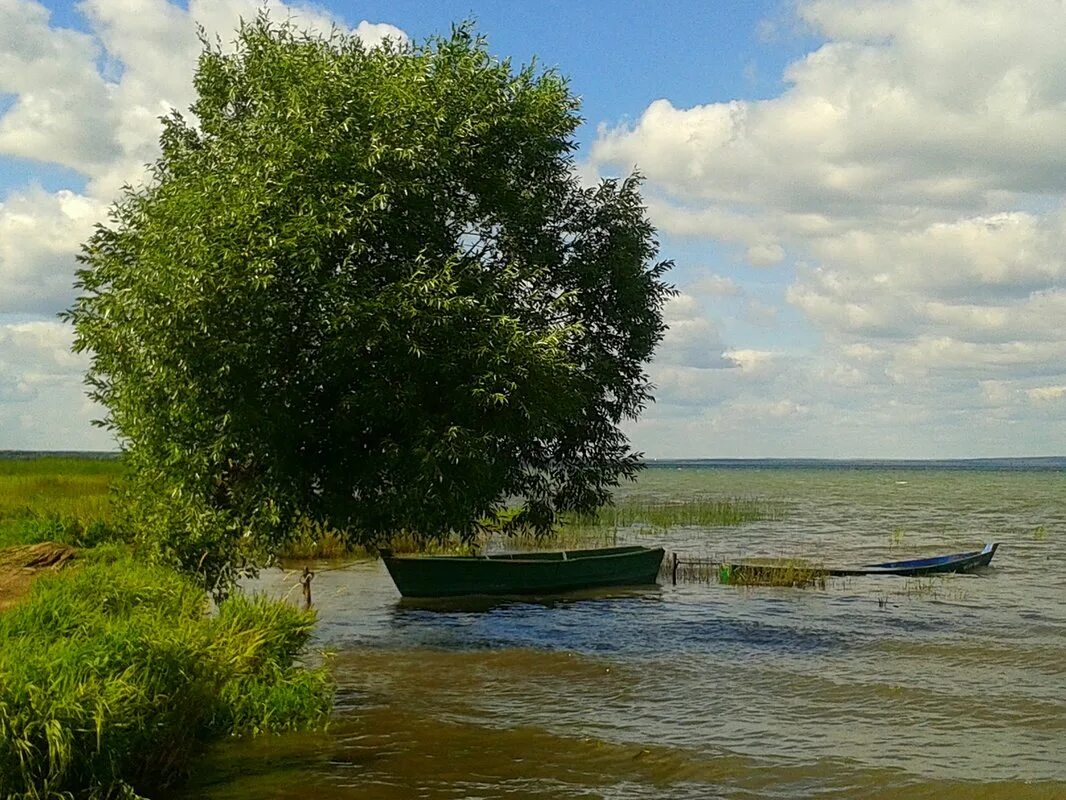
(694, 511)
(796, 573)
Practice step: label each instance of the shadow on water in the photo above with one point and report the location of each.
(631, 622)
(473, 604)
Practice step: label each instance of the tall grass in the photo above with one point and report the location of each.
(57, 499)
(600, 529)
(113, 675)
(568, 536)
(792, 572)
(317, 541)
(696, 511)
(67, 500)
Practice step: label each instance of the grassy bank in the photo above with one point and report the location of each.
(113, 675)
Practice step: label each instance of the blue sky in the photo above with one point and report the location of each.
(864, 200)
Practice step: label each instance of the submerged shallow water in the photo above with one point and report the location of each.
(874, 687)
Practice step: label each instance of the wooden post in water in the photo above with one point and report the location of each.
(305, 581)
(673, 571)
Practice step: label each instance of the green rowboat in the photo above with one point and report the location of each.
(523, 573)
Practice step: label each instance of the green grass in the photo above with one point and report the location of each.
(933, 587)
(66, 500)
(314, 541)
(568, 536)
(63, 500)
(792, 572)
(113, 676)
(647, 516)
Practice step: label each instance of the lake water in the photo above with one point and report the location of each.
(950, 687)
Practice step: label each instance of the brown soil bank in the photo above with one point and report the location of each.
(20, 565)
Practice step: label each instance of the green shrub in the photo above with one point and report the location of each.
(113, 675)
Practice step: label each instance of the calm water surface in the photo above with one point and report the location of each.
(951, 687)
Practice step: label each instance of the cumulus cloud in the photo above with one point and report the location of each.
(902, 203)
(62, 109)
(910, 182)
(692, 339)
(39, 233)
(89, 101)
(750, 361)
(930, 105)
(716, 286)
(42, 402)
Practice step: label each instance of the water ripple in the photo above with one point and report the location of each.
(871, 688)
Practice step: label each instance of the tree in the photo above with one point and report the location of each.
(364, 287)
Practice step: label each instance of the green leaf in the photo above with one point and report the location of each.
(366, 290)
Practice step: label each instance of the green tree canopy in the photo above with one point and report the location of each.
(365, 287)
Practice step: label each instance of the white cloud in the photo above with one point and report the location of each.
(373, 34)
(761, 314)
(764, 255)
(750, 361)
(905, 195)
(62, 106)
(69, 112)
(716, 286)
(692, 339)
(42, 400)
(39, 234)
(914, 171)
(947, 103)
(776, 409)
(89, 101)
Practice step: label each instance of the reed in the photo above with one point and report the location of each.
(689, 570)
(67, 500)
(113, 675)
(941, 587)
(797, 573)
(570, 536)
(697, 511)
(602, 529)
(405, 542)
(312, 541)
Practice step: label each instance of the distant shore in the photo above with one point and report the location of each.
(1037, 463)
(1029, 463)
(23, 454)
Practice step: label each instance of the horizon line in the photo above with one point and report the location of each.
(720, 459)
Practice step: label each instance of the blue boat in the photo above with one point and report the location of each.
(789, 570)
(957, 562)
